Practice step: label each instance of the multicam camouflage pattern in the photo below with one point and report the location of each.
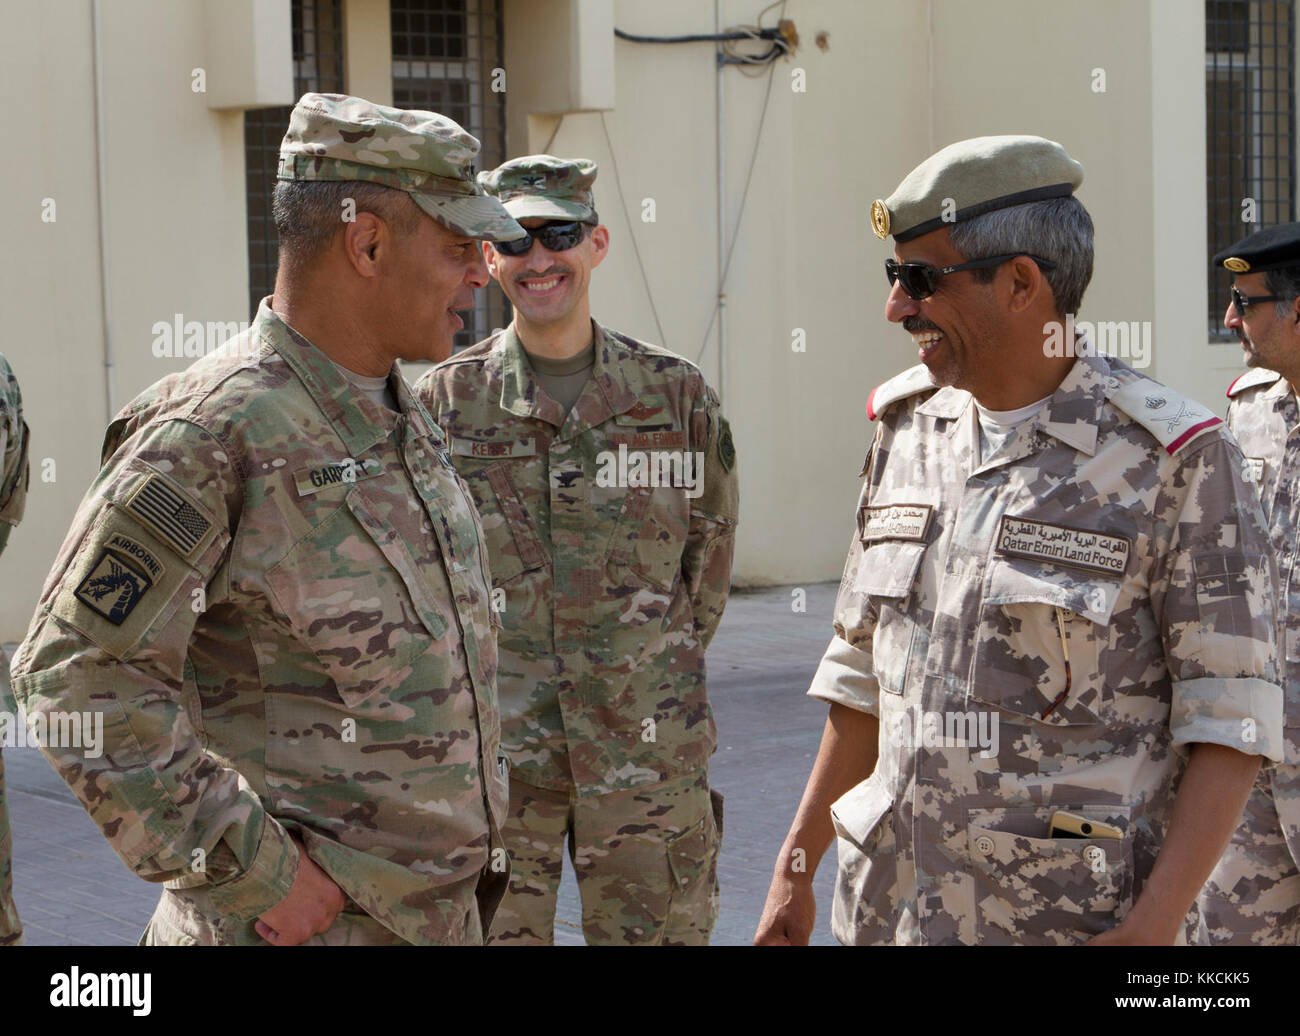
(276, 594)
(1171, 640)
(1253, 896)
(544, 187)
(334, 137)
(13, 492)
(646, 862)
(609, 595)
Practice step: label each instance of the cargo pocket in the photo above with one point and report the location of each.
(887, 574)
(344, 597)
(692, 853)
(865, 909)
(1031, 890)
(1029, 617)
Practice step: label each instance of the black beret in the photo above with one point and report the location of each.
(1268, 249)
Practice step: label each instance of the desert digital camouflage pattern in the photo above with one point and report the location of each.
(610, 594)
(1117, 520)
(336, 137)
(14, 476)
(1253, 896)
(634, 893)
(276, 593)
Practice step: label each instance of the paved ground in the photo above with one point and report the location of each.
(71, 888)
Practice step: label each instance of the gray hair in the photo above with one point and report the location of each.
(1058, 229)
(308, 213)
(1284, 281)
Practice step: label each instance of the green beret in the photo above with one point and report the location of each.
(1265, 250)
(333, 137)
(544, 187)
(972, 177)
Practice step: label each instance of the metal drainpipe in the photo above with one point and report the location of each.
(722, 213)
(101, 192)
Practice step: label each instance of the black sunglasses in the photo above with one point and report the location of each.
(919, 280)
(1242, 302)
(555, 237)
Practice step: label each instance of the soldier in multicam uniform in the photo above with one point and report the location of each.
(1058, 599)
(13, 493)
(276, 591)
(611, 585)
(1253, 896)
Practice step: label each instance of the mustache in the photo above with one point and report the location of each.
(913, 325)
(550, 271)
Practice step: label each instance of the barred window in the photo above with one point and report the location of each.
(445, 55)
(318, 67)
(1250, 127)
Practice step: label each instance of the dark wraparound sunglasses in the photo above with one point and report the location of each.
(555, 237)
(1242, 302)
(919, 280)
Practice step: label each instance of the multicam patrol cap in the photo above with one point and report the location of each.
(1269, 249)
(972, 177)
(544, 187)
(334, 137)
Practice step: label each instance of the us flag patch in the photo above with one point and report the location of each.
(167, 511)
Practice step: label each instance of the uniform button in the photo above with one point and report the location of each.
(984, 845)
(1095, 855)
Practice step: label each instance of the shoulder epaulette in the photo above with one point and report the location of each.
(1251, 379)
(1174, 419)
(901, 386)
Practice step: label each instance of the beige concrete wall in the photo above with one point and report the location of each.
(368, 50)
(174, 230)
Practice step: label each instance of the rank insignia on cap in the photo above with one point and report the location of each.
(1236, 265)
(880, 219)
(113, 588)
(167, 511)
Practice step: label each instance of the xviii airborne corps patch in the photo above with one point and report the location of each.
(113, 587)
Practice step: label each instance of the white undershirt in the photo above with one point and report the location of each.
(376, 388)
(998, 427)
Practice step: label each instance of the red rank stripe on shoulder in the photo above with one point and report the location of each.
(1173, 446)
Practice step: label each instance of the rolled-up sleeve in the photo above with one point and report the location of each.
(1218, 591)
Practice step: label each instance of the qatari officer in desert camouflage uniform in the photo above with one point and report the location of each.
(1053, 675)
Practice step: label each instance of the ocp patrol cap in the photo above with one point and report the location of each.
(427, 155)
(972, 177)
(1268, 249)
(544, 187)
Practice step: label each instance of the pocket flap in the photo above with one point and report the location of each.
(1029, 582)
(889, 569)
(859, 811)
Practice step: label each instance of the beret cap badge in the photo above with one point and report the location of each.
(1236, 265)
(880, 219)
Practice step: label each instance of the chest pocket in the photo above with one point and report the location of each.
(352, 594)
(651, 534)
(887, 574)
(1031, 615)
(488, 470)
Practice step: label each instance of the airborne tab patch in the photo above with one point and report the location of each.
(1080, 548)
(166, 510)
(115, 585)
